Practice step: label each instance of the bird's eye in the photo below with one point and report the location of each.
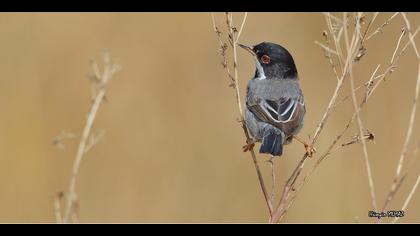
(265, 59)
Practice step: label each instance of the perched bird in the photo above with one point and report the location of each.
(274, 101)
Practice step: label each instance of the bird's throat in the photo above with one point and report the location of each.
(260, 71)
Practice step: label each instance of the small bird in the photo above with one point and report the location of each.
(275, 106)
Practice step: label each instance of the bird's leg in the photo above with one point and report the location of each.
(308, 148)
(250, 143)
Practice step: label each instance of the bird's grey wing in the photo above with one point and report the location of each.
(285, 113)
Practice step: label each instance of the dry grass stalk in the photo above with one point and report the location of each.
(87, 140)
(398, 178)
(338, 33)
(346, 66)
(57, 207)
(233, 37)
(380, 29)
(369, 91)
(408, 199)
(359, 121)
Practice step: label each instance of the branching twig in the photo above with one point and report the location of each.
(397, 178)
(281, 208)
(369, 136)
(233, 37)
(354, 50)
(298, 169)
(93, 140)
(360, 125)
(380, 28)
(410, 195)
(103, 79)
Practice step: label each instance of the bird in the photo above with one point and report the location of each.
(275, 106)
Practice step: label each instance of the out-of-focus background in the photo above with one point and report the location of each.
(172, 148)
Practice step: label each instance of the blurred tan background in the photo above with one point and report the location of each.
(172, 149)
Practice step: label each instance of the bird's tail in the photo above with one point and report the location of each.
(272, 142)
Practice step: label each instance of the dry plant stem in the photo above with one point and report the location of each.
(326, 48)
(106, 76)
(261, 180)
(327, 14)
(368, 94)
(410, 195)
(338, 88)
(281, 208)
(368, 27)
(336, 38)
(397, 178)
(273, 178)
(81, 149)
(57, 208)
(370, 81)
(379, 79)
(93, 140)
(238, 100)
(360, 125)
(235, 59)
(378, 30)
(363, 141)
(233, 40)
(398, 44)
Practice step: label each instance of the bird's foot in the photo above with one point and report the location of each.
(309, 149)
(249, 146)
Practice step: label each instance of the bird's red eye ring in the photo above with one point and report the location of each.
(265, 59)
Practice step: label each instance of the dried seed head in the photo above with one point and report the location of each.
(325, 34)
(360, 54)
(362, 20)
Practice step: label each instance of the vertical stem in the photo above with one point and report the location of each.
(81, 151)
(233, 39)
(359, 120)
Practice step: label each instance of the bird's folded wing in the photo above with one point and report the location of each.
(284, 113)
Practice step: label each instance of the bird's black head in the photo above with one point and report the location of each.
(273, 61)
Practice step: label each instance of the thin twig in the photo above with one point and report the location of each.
(109, 71)
(360, 125)
(281, 208)
(379, 79)
(57, 207)
(368, 27)
(328, 55)
(398, 44)
(369, 136)
(233, 38)
(336, 38)
(222, 51)
(410, 195)
(338, 20)
(93, 140)
(242, 27)
(239, 103)
(380, 28)
(411, 36)
(409, 133)
(327, 49)
(329, 150)
(273, 178)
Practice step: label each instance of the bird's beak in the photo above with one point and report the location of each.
(248, 49)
